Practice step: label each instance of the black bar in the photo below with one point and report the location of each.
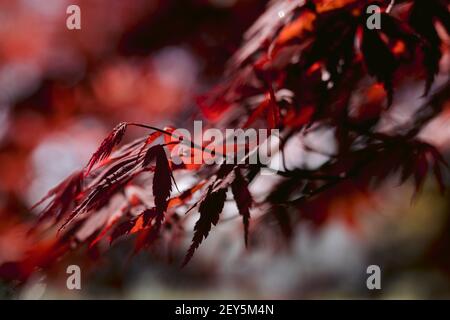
(223, 309)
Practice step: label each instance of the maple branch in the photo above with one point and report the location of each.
(314, 192)
(180, 138)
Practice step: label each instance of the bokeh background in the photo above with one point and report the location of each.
(61, 92)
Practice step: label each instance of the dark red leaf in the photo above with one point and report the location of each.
(149, 234)
(150, 139)
(134, 225)
(162, 179)
(105, 149)
(63, 197)
(243, 198)
(112, 181)
(209, 210)
(122, 229)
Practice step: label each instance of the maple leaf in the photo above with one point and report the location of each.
(148, 234)
(106, 147)
(243, 198)
(63, 196)
(121, 230)
(298, 70)
(113, 219)
(131, 226)
(113, 180)
(150, 139)
(162, 178)
(210, 209)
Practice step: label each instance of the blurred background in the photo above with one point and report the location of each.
(61, 92)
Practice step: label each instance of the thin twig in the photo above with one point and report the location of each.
(390, 7)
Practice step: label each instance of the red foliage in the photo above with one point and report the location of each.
(297, 73)
(210, 209)
(105, 149)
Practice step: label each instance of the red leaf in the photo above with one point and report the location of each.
(243, 198)
(122, 229)
(150, 139)
(112, 181)
(134, 225)
(185, 195)
(210, 209)
(105, 149)
(162, 179)
(63, 196)
(103, 233)
(149, 234)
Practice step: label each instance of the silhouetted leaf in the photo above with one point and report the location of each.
(243, 198)
(105, 149)
(162, 178)
(209, 210)
(62, 197)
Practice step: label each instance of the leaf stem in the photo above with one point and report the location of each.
(180, 138)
